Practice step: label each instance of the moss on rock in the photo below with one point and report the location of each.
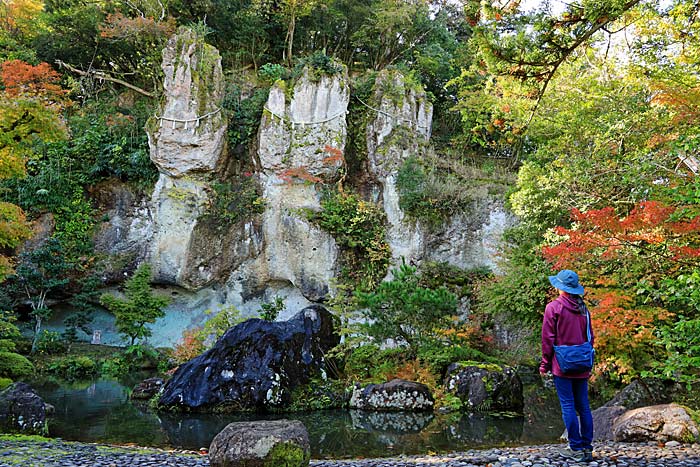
(287, 454)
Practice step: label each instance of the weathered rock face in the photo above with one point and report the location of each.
(471, 240)
(666, 422)
(187, 142)
(189, 134)
(255, 365)
(22, 410)
(400, 129)
(292, 151)
(485, 388)
(396, 395)
(127, 230)
(261, 444)
(294, 132)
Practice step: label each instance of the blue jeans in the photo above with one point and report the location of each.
(573, 397)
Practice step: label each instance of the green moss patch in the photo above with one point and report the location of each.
(287, 454)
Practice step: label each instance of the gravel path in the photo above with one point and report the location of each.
(57, 453)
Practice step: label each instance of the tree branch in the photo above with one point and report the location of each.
(102, 75)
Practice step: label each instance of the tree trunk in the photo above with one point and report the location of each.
(290, 38)
(37, 330)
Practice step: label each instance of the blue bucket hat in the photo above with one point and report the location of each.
(567, 280)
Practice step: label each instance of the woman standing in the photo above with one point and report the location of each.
(567, 322)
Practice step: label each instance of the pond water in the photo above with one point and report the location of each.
(100, 411)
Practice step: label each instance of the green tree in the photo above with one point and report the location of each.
(40, 273)
(401, 310)
(140, 307)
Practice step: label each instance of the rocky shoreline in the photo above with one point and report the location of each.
(15, 452)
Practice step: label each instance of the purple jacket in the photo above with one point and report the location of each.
(563, 324)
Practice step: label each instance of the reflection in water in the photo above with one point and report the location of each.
(391, 422)
(100, 411)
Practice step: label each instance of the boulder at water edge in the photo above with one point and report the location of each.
(397, 394)
(147, 389)
(666, 422)
(22, 410)
(255, 365)
(275, 443)
(485, 387)
(643, 393)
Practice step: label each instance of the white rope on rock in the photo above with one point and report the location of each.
(187, 121)
(392, 116)
(303, 124)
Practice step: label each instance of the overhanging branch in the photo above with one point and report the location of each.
(102, 75)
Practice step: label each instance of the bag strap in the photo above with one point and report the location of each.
(588, 325)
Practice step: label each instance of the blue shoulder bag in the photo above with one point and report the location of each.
(576, 358)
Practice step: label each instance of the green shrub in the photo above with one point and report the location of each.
(359, 229)
(431, 196)
(271, 72)
(402, 310)
(231, 202)
(370, 363)
(4, 382)
(7, 345)
(269, 311)
(439, 354)
(320, 65)
(73, 367)
(50, 343)
(15, 366)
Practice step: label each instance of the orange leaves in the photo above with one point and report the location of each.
(335, 156)
(602, 233)
(23, 79)
(334, 159)
(39, 83)
(298, 173)
(190, 346)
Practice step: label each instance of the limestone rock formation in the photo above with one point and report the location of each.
(400, 128)
(255, 365)
(295, 130)
(396, 395)
(665, 422)
(187, 142)
(261, 444)
(188, 135)
(299, 138)
(127, 228)
(485, 388)
(22, 410)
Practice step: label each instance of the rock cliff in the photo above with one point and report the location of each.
(208, 258)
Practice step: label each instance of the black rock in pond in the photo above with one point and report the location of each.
(22, 410)
(254, 365)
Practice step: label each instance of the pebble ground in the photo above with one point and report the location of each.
(57, 453)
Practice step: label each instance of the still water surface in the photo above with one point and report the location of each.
(100, 411)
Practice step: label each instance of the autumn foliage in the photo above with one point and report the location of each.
(28, 81)
(619, 258)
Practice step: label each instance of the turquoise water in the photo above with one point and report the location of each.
(100, 411)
